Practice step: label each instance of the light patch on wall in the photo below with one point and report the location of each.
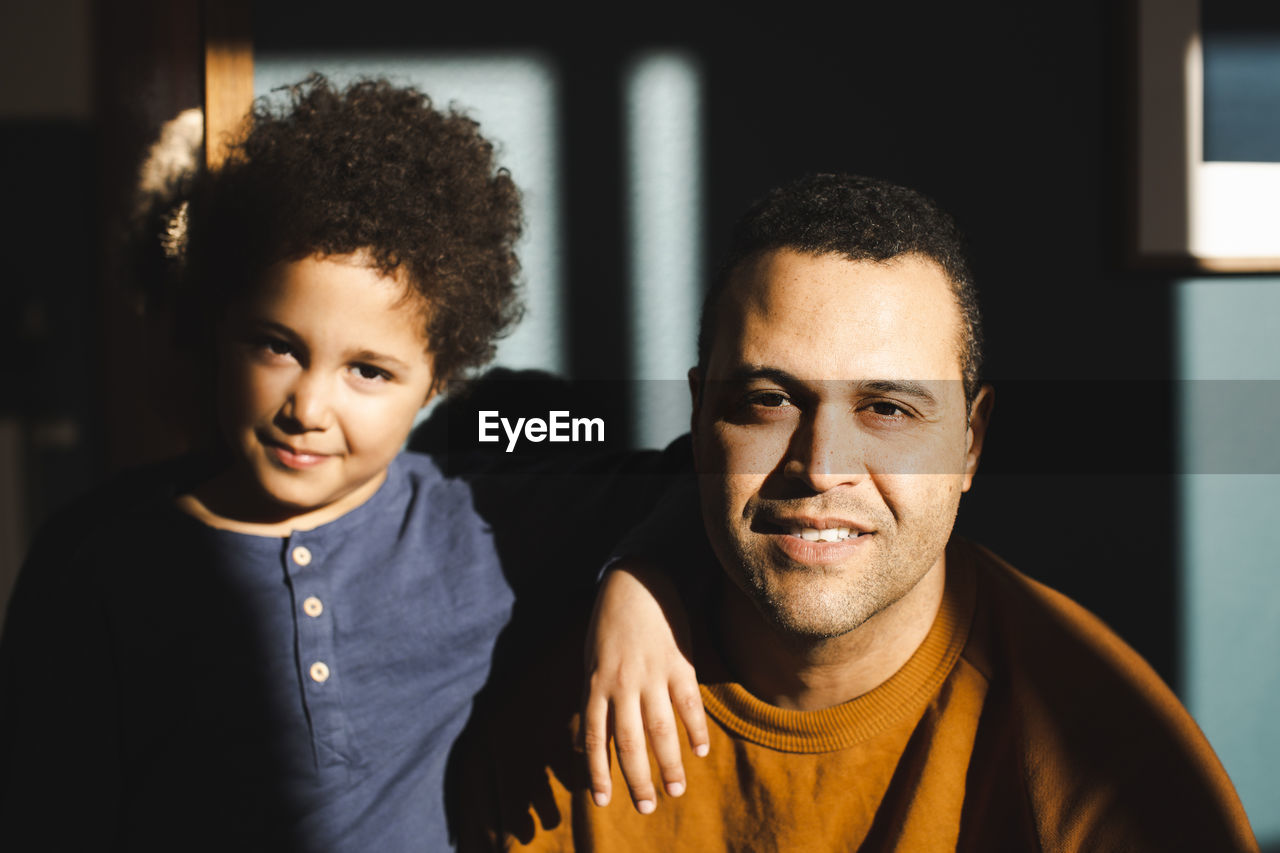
(514, 98)
(664, 192)
(1221, 213)
(1229, 361)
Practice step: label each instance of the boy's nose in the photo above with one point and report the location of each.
(309, 406)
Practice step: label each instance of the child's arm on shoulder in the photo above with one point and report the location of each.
(638, 664)
(639, 677)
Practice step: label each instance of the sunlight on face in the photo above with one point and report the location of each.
(831, 435)
(322, 370)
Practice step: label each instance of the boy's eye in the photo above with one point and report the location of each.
(272, 346)
(369, 372)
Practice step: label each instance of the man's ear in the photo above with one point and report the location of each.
(979, 419)
(695, 395)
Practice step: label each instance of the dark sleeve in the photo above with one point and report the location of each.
(558, 524)
(557, 510)
(59, 727)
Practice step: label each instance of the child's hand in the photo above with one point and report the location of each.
(637, 669)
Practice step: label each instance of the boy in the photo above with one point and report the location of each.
(273, 644)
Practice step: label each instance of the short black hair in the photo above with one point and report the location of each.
(858, 218)
(370, 167)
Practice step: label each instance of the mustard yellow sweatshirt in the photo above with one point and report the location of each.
(1022, 723)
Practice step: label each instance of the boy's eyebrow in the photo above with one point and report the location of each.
(272, 325)
(379, 357)
(357, 355)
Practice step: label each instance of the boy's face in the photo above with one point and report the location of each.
(323, 368)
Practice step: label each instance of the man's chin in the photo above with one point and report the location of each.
(806, 627)
(806, 613)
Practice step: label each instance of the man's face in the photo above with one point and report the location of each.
(831, 435)
(323, 368)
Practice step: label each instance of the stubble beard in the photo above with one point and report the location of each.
(810, 604)
(824, 607)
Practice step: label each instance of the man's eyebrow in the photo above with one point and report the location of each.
(750, 372)
(905, 387)
(902, 387)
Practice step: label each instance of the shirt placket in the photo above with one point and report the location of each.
(319, 665)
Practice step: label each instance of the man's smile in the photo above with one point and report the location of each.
(814, 528)
(812, 539)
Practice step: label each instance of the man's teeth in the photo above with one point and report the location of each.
(830, 534)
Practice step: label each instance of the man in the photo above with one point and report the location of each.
(872, 683)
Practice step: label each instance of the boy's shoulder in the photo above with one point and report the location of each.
(420, 468)
(426, 478)
(129, 490)
(127, 498)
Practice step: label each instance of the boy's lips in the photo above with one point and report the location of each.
(292, 457)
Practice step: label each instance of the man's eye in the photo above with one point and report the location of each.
(769, 400)
(886, 409)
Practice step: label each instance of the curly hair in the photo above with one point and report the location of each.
(860, 219)
(369, 168)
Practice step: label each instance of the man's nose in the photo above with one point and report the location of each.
(827, 452)
(309, 405)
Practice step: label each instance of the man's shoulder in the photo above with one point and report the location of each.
(1104, 746)
(1055, 657)
(1023, 627)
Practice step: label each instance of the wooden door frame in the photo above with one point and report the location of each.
(228, 73)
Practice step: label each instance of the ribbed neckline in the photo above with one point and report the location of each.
(391, 489)
(902, 697)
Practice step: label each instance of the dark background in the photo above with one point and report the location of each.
(1015, 117)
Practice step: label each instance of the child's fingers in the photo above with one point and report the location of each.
(595, 742)
(660, 725)
(633, 757)
(687, 699)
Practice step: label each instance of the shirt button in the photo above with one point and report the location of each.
(319, 672)
(313, 607)
(302, 555)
